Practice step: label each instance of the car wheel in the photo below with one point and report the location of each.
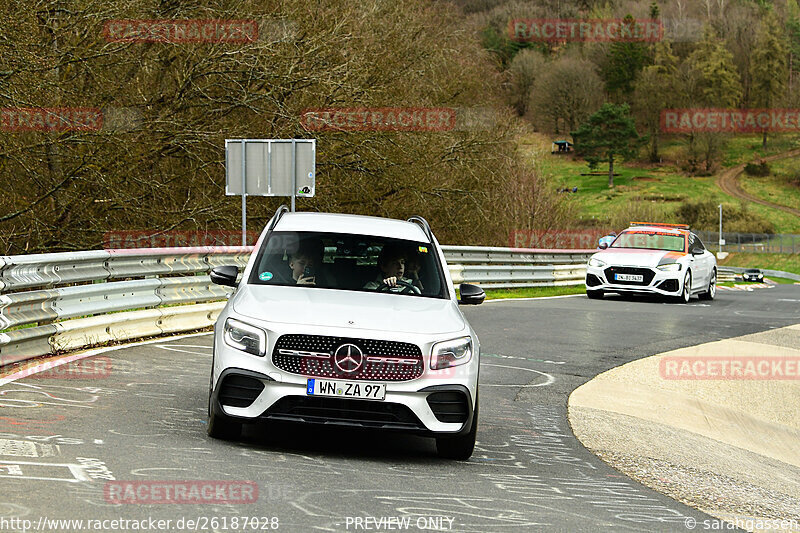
(712, 287)
(595, 295)
(686, 294)
(459, 448)
(222, 427)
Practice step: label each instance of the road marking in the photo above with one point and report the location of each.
(50, 363)
(535, 298)
(171, 349)
(42, 471)
(550, 379)
(24, 448)
(501, 356)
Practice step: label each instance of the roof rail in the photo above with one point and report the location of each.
(424, 224)
(661, 224)
(277, 216)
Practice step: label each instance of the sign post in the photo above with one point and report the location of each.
(269, 167)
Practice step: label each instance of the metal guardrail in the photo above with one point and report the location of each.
(732, 271)
(70, 300)
(778, 243)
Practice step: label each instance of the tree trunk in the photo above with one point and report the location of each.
(611, 172)
(654, 147)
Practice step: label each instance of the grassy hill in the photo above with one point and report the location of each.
(655, 192)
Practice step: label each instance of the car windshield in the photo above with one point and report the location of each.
(349, 262)
(650, 241)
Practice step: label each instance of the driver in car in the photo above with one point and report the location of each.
(392, 265)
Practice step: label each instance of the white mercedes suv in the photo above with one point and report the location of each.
(347, 320)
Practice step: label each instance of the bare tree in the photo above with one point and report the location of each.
(568, 93)
(164, 170)
(523, 71)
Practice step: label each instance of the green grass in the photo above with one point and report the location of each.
(784, 262)
(655, 191)
(742, 149)
(782, 281)
(534, 292)
(781, 187)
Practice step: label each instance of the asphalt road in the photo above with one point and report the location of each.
(67, 444)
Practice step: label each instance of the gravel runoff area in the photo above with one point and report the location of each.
(730, 448)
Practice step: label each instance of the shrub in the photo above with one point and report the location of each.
(760, 169)
(704, 215)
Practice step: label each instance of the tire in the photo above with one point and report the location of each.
(711, 292)
(686, 293)
(459, 448)
(222, 427)
(595, 295)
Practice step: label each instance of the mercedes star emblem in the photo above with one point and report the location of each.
(348, 358)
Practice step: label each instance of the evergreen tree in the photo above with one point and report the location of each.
(655, 91)
(769, 68)
(608, 135)
(625, 61)
(720, 85)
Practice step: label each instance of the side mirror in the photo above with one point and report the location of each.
(697, 251)
(471, 294)
(225, 275)
(603, 245)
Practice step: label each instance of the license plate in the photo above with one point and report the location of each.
(346, 389)
(628, 277)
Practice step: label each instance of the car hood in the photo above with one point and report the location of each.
(350, 309)
(638, 258)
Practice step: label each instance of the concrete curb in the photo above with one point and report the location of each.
(743, 431)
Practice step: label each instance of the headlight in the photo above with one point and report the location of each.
(670, 267)
(451, 353)
(245, 337)
(596, 263)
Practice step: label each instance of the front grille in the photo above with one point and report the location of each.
(379, 360)
(647, 274)
(363, 413)
(239, 391)
(669, 285)
(449, 406)
(592, 280)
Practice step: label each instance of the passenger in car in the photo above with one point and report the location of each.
(413, 266)
(303, 262)
(298, 262)
(392, 264)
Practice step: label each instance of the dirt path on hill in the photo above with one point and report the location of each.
(727, 182)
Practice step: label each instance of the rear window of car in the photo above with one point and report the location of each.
(346, 262)
(647, 240)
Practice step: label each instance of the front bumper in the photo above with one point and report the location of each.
(655, 281)
(261, 391)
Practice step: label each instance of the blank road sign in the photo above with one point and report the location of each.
(268, 167)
